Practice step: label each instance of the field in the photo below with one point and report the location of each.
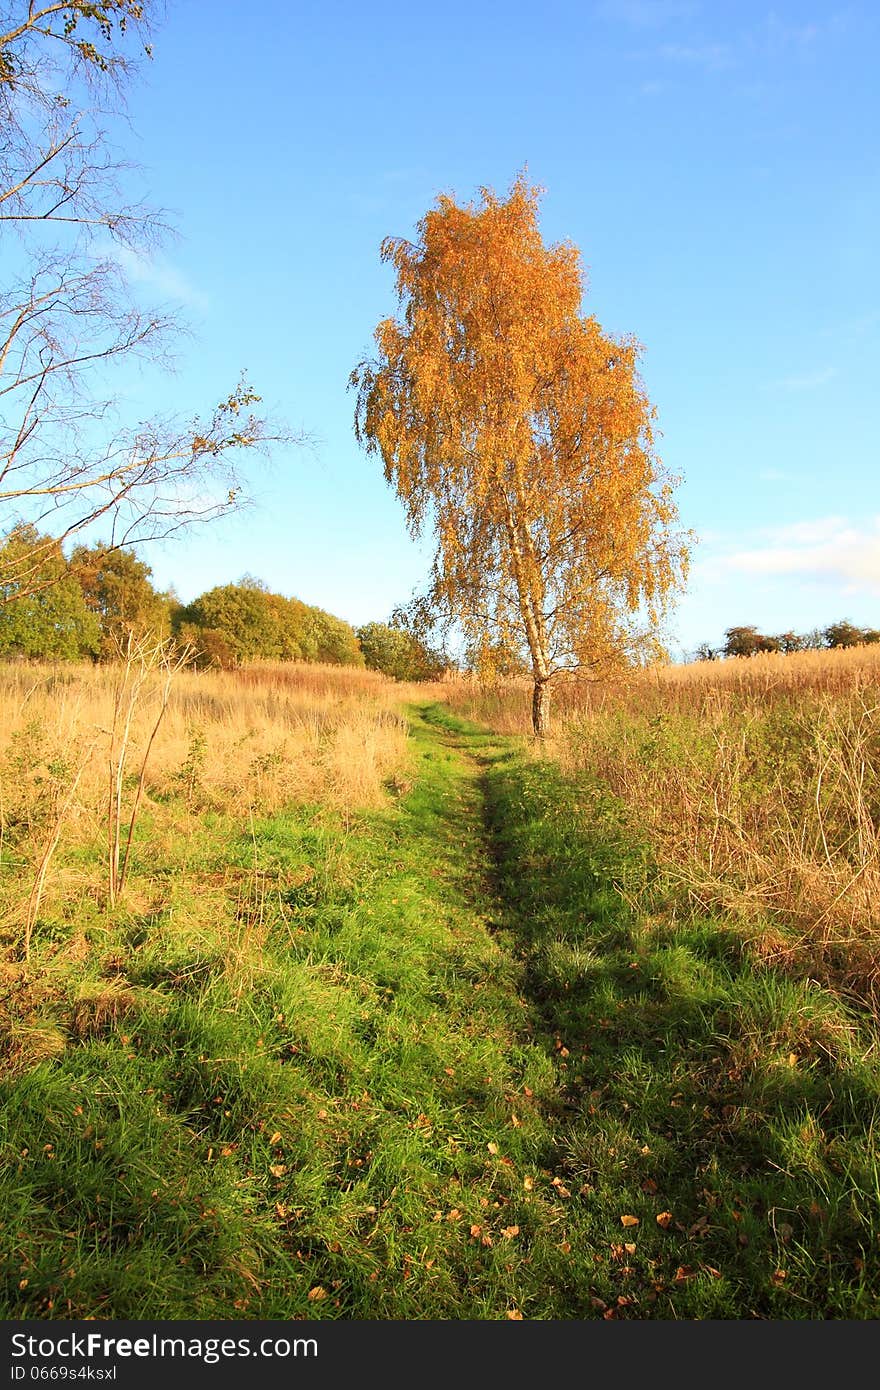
(394, 1015)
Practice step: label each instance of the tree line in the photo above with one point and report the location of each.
(748, 641)
(86, 605)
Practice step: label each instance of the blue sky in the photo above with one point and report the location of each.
(717, 165)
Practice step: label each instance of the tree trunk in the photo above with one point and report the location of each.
(541, 708)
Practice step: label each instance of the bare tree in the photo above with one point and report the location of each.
(67, 457)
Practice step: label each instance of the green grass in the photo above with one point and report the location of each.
(422, 1061)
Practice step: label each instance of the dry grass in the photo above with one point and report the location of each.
(757, 781)
(240, 745)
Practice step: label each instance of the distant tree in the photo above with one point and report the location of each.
(116, 587)
(288, 619)
(843, 634)
(49, 619)
(398, 653)
(235, 623)
(333, 640)
(790, 642)
(705, 652)
(768, 644)
(870, 636)
(813, 640)
(239, 618)
(520, 431)
(741, 641)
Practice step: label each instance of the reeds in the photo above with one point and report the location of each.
(757, 782)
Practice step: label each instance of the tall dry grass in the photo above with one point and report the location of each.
(757, 782)
(239, 745)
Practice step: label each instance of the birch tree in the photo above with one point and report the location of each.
(518, 431)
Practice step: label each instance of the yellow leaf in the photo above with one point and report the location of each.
(317, 1293)
(664, 1219)
(276, 1137)
(528, 1183)
(510, 1231)
(493, 1148)
(629, 1221)
(277, 1169)
(514, 1315)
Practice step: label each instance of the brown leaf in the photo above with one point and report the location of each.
(683, 1273)
(277, 1169)
(629, 1221)
(510, 1231)
(649, 1185)
(664, 1219)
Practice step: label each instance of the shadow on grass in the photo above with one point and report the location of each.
(727, 1108)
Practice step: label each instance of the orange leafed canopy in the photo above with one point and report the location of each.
(522, 432)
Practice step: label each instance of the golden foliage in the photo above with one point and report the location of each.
(522, 432)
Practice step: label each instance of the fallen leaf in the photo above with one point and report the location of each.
(649, 1185)
(276, 1137)
(683, 1273)
(630, 1248)
(792, 1059)
(779, 1275)
(476, 1230)
(664, 1219)
(454, 1215)
(515, 1122)
(514, 1315)
(277, 1169)
(528, 1184)
(629, 1221)
(510, 1231)
(493, 1148)
(317, 1293)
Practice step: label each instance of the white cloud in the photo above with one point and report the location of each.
(829, 549)
(807, 381)
(157, 274)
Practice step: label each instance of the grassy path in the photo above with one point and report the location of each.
(432, 1062)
